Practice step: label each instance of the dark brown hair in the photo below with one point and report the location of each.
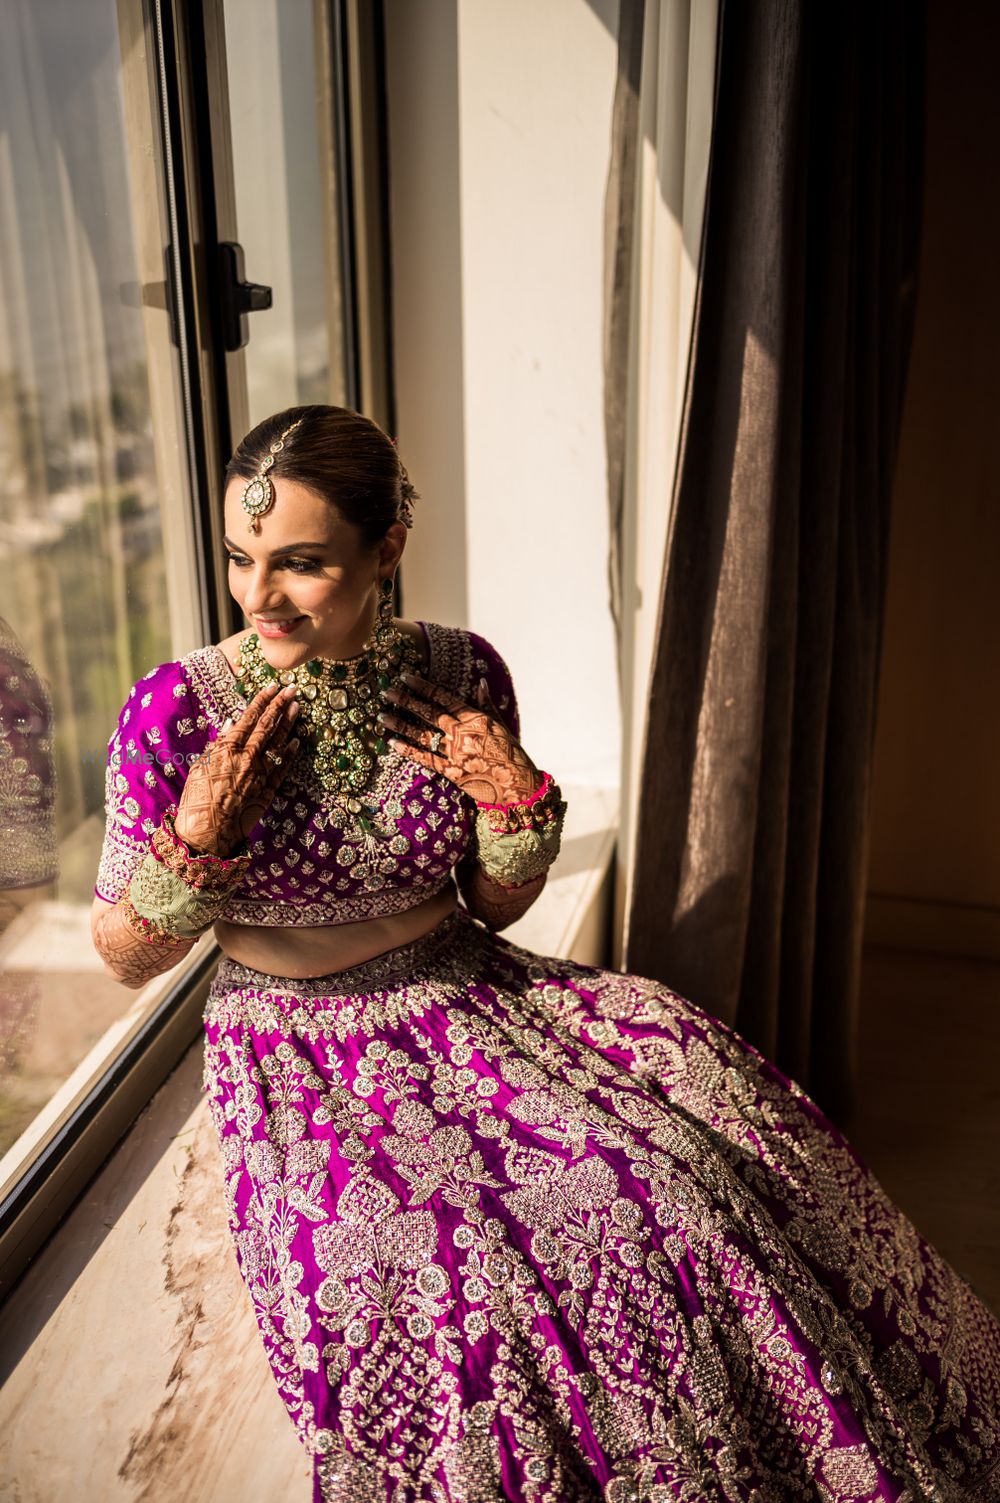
(341, 455)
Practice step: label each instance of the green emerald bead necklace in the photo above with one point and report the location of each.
(339, 701)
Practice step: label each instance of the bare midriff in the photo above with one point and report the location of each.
(317, 950)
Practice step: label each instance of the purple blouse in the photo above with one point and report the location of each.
(312, 863)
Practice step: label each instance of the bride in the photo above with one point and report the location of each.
(514, 1227)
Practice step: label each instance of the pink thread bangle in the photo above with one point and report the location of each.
(523, 803)
(205, 861)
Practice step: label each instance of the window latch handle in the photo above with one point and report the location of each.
(237, 296)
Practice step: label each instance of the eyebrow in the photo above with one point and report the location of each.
(276, 552)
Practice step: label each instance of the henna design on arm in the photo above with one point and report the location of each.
(232, 783)
(131, 960)
(478, 752)
(225, 793)
(496, 905)
(483, 757)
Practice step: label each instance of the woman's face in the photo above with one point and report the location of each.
(306, 568)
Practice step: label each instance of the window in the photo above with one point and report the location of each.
(121, 160)
(285, 169)
(91, 427)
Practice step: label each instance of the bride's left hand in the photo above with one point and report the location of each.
(474, 748)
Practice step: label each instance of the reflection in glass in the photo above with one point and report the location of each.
(28, 855)
(81, 539)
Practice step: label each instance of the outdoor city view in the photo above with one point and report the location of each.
(81, 548)
(92, 454)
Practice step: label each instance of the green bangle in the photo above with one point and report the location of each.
(169, 905)
(518, 856)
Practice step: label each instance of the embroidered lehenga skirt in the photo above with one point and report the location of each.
(520, 1228)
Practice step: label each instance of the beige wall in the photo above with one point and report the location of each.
(500, 133)
(934, 876)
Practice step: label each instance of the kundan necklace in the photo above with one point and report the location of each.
(339, 702)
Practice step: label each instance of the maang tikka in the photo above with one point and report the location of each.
(258, 494)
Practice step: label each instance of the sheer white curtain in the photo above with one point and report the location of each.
(672, 124)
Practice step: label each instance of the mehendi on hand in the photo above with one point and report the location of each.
(471, 744)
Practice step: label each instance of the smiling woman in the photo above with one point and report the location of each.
(311, 580)
(513, 1226)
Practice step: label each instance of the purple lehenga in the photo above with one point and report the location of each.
(516, 1227)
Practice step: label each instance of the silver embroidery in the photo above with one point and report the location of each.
(378, 860)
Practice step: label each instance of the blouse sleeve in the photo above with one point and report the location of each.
(488, 663)
(160, 732)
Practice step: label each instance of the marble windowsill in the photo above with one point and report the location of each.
(132, 1367)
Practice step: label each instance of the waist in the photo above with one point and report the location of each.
(397, 964)
(302, 951)
(326, 909)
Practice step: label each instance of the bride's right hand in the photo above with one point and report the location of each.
(232, 783)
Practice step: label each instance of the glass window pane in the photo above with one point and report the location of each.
(284, 156)
(92, 460)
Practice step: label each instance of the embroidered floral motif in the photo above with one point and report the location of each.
(354, 873)
(29, 852)
(516, 1227)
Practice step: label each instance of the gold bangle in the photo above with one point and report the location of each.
(176, 893)
(199, 869)
(519, 855)
(548, 809)
(162, 902)
(148, 929)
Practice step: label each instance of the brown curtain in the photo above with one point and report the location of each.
(751, 852)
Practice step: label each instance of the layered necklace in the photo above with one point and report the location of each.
(339, 703)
